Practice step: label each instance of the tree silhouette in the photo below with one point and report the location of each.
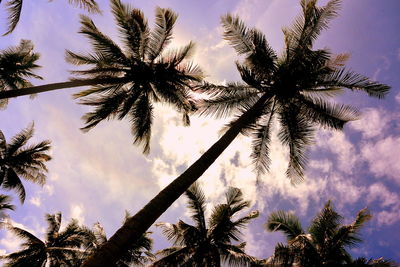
(294, 88)
(325, 242)
(208, 244)
(61, 248)
(19, 160)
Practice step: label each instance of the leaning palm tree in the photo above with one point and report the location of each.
(14, 8)
(208, 243)
(17, 160)
(325, 243)
(138, 253)
(295, 89)
(61, 248)
(17, 65)
(127, 81)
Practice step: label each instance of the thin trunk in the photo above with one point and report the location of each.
(133, 228)
(56, 86)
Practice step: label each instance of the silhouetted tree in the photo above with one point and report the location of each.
(293, 88)
(208, 244)
(17, 160)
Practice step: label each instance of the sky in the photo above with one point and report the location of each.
(97, 176)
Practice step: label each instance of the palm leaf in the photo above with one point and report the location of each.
(162, 34)
(285, 222)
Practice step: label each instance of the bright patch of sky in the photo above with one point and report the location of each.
(96, 176)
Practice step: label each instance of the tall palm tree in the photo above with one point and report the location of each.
(325, 243)
(293, 88)
(14, 8)
(17, 160)
(17, 65)
(61, 248)
(138, 254)
(127, 81)
(208, 243)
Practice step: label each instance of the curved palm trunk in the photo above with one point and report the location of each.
(56, 86)
(133, 228)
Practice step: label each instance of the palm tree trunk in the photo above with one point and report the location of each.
(133, 228)
(56, 86)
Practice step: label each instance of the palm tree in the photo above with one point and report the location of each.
(207, 244)
(293, 88)
(127, 81)
(18, 160)
(138, 254)
(16, 66)
(325, 243)
(14, 8)
(61, 248)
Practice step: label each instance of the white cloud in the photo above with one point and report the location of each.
(382, 157)
(337, 143)
(77, 211)
(373, 123)
(35, 201)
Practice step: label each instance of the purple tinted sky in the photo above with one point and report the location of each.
(98, 175)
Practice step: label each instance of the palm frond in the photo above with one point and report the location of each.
(141, 116)
(234, 255)
(14, 8)
(297, 133)
(5, 202)
(133, 28)
(54, 224)
(197, 205)
(226, 100)
(162, 33)
(285, 222)
(237, 34)
(20, 139)
(353, 81)
(261, 140)
(102, 44)
(13, 182)
(327, 114)
(89, 5)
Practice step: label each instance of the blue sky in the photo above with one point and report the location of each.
(96, 176)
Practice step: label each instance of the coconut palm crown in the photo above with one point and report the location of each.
(294, 89)
(208, 242)
(61, 247)
(17, 65)
(325, 243)
(142, 71)
(19, 160)
(14, 8)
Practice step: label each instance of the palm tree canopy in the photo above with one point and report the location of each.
(140, 73)
(326, 241)
(16, 67)
(138, 253)
(14, 8)
(60, 248)
(208, 242)
(297, 86)
(18, 160)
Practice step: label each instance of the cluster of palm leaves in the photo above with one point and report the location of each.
(208, 243)
(68, 247)
(293, 89)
